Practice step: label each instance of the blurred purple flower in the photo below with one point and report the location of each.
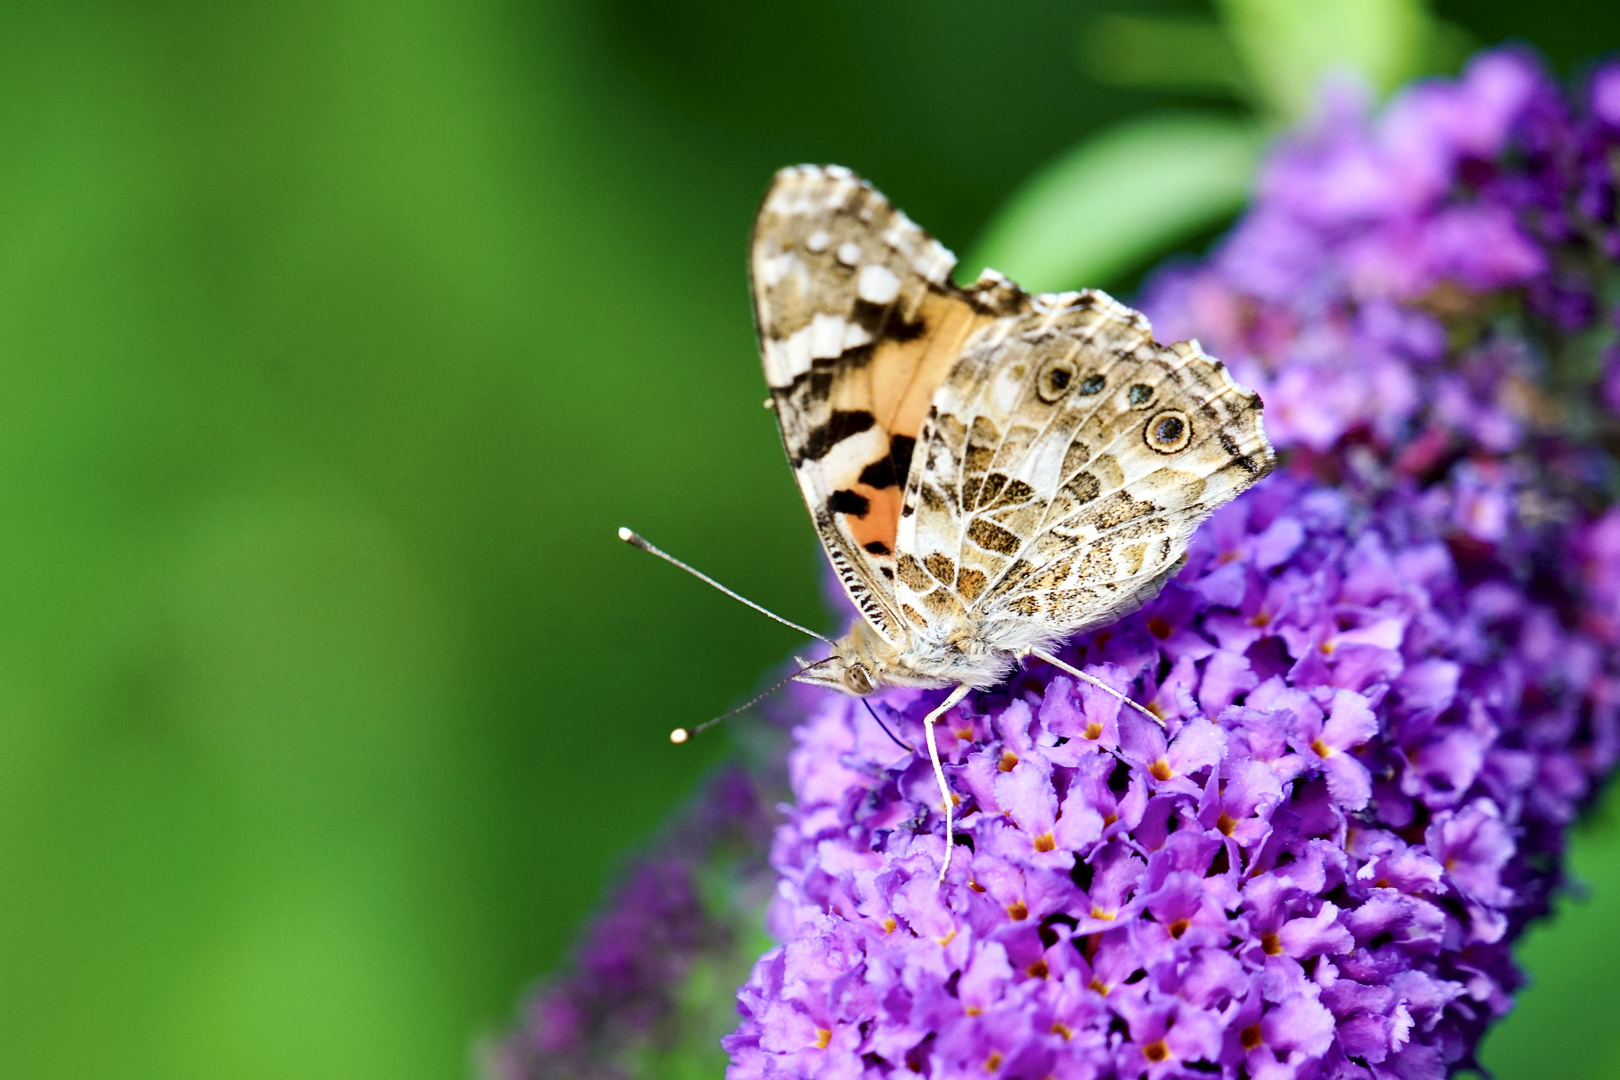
(1609, 388)
(620, 993)
(1376, 239)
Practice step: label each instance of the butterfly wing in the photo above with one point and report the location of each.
(1065, 465)
(858, 325)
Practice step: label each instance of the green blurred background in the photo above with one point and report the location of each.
(335, 340)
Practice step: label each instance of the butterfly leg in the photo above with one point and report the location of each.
(939, 770)
(1098, 683)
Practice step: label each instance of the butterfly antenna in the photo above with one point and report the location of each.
(637, 540)
(680, 734)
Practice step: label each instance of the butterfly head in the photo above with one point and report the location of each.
(844, 673)
(862, 663)
(850, 676)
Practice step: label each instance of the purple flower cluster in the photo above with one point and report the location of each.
(1390, 675)
(1377, 243)
(1315, 872)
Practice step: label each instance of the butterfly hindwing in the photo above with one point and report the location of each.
(1063, 470)
(858, 325)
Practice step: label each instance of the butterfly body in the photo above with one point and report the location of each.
(934, 657)
(989, 471)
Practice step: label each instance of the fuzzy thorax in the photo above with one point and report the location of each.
(864, 662)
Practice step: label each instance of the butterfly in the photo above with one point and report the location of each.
(989, 471)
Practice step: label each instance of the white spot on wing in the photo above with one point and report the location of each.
(786, 360)
(934, 262)
(826, 336)
(1043, 468)
(817, 241)
(877, 284)
(855, 336)
(841, 466)
(849, 253)
(1055, 303)
(902, 232)
(773, 268)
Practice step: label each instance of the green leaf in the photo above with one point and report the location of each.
(1121, 198)
(1288, 46)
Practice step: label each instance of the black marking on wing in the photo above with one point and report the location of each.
(849, 502)
(839, 426)
(892, 470)
(885, 322)
(1246, 463)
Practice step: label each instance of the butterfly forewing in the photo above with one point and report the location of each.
(858, 325)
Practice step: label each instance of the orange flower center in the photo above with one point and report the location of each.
(1156, 1051)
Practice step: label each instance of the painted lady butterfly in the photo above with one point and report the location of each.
(990, 472)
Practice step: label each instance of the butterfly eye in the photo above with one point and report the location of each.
(1054, 380)
(856, 678)
(1168, 432)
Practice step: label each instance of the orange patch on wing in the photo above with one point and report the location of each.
(898, 391)
(881, 522)
(905, 374)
